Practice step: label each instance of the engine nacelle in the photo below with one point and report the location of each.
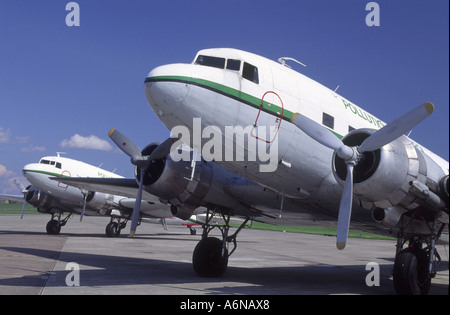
(382, 178)
(171, 181)
(40, 200)
(100, 201)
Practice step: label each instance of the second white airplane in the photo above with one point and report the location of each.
(57, 199)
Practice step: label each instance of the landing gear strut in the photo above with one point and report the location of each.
(210, 257)
(416, 265)
(54, 225)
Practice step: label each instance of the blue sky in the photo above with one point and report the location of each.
(57, 82)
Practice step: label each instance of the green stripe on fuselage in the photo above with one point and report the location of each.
(240, 96)
(229, 92)
(46, 173)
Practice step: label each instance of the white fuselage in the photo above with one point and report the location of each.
(260, 92)
(39, 174)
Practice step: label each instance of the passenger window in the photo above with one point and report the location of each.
(233, 64)
(58, 165)
(328, 120)
(208, 61)
(250, 73)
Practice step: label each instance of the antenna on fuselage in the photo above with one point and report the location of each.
(283, 60)
(58, 154)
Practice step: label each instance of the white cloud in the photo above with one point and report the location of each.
(33, 148)
(91, 142)
(5, 135)
(4, 172)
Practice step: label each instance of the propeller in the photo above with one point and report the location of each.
(25, 192)
(142, 162)
(352, 155)
(84, 192)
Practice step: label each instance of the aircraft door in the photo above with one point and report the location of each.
(269, 117)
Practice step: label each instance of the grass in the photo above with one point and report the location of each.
(318, 230)
(16, 208)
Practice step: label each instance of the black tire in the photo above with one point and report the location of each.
(207, 258)
(411, 272)
(53, 227)
(112, 230)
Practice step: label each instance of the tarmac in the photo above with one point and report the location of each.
(159, 262)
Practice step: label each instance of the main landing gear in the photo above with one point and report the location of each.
(210, 257)
(54, 225)
(115, 226)
(417, 264)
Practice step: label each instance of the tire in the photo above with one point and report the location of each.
(112, 230)
(53, 227)
(207, 258)
(411, 272)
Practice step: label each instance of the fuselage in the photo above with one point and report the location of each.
(39, 174)
(229, 88)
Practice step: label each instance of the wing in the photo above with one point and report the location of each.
(15, 198)
(268, 206)
(126, 187)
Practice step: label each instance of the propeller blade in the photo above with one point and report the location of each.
(345, 209)
(23, 208)
(162, 150)
(125, 144)
(396, 128)
(20, 186)
(137, 206)
(84, 207)
(322, 135)
(25, 192)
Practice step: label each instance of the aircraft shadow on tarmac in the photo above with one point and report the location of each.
(121, 271)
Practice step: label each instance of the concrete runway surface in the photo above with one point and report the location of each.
(160, 262)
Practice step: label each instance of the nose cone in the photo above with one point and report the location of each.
(30, 170)
(27, 169)
(166, 88)
(34, 173)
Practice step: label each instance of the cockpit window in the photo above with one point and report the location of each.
(234, 64)
(209, 61)
(250, 73)
(48, 162)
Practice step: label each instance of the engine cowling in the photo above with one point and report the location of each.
(171, 181)
(382, 179)
(44, 202)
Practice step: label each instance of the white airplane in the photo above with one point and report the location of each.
(56, 198)
(329, 157)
